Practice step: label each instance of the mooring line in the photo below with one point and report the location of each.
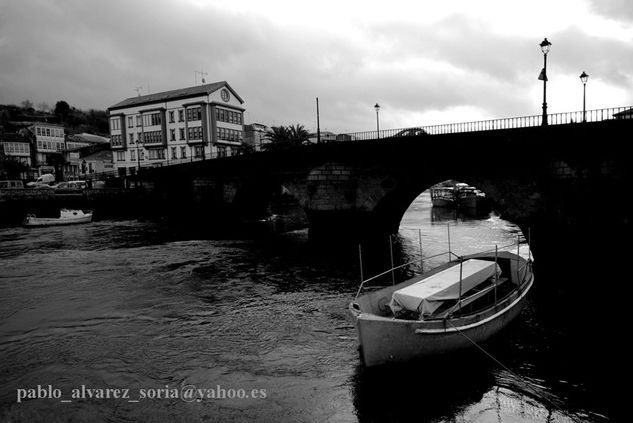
(518, 377)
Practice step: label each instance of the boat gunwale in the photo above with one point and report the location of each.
(511, 298)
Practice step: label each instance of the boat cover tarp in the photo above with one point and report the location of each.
(427, 295)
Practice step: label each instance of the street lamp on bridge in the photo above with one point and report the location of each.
(377, 108)
(545, 45)
(583, 78)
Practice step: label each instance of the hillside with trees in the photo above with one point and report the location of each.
(75, 121)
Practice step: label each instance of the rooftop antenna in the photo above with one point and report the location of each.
(138, 90)
(202, 74)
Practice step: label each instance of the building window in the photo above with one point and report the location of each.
(198, 150)
(132, 155)
(38, 130)
(194, 133)
(116, 140)
(228, 116)
(173, 153)
(183, 152)
(171, 116)
(156, 154)
(141, 154)
(115, 124)
(182, 133)
(153, 137)
(193, 114)
(131, 138)
(221, 151)
(152, 119)
(138, 120)
(172, 133)
(181, 116)
(120, 156)
(130, 121)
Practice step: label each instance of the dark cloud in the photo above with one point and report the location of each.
(621, 10)
(94, 53)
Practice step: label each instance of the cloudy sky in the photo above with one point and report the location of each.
(425, 62)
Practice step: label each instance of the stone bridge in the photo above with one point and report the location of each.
(565, 182)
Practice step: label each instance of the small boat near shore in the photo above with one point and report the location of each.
(66, 217)
(452, 307)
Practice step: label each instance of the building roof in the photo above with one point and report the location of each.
(175, 95)
(12, 137)
(40, 123)
(89, 138)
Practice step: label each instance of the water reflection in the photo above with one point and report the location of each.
(422, 391)
(143, 304)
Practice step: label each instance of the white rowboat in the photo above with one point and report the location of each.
(66, 217)
(438, 312)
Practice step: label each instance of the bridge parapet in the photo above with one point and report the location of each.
(595, 115)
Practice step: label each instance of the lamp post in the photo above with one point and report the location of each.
(583, 78)
(377, 108)
(545, 45)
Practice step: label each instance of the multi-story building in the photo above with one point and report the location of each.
(192, 123)
(78, 145)
(18, 148)
(255, 135)
(48, 139)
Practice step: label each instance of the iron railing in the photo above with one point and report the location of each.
(596, 115)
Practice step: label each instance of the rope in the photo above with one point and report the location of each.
(518, 378)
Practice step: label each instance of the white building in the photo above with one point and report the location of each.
(194, 123)
(49, 138)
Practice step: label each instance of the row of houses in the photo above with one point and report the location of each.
(187, 124)
(43, 147)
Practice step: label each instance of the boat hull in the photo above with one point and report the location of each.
(385, 340)
(443, 202)
(44, 221)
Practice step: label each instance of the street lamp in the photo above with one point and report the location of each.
(377, 108)
(583, 78)
(545, 45)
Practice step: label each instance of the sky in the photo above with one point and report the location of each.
(424, 62)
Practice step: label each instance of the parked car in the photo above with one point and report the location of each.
(71, 187)
(12, 184)
(411, 132)
(43, 181)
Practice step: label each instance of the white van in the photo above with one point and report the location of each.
(46, 179)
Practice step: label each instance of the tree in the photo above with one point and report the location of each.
(11, 169)
(282, 137)
(43, 107)
(298, 135)
(27, 104)
(62, 109)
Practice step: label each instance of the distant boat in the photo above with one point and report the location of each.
(443, 196)
(66, 217)
(469, 197)
(449, 308)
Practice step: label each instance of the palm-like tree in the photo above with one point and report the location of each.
(298, 134)
(281, 137)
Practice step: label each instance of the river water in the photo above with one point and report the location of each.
(261, 327)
